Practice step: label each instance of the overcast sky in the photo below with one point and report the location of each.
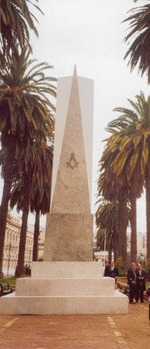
(90, 34)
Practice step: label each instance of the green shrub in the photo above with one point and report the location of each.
(10, 280)
(122, 269)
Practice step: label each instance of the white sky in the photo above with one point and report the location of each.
(89, 33)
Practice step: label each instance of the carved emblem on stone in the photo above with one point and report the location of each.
(72, 163)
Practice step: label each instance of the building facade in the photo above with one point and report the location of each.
(141, 246)
(11, 245)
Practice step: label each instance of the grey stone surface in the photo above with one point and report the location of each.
(69, 237)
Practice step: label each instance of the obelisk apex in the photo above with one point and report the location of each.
(75, 70)
(70, 219)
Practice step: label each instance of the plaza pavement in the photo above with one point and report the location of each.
(130, 331)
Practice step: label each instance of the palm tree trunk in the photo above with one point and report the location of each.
(115, 255)
(115, 243)
(109, 254)
(21, 256)
(36, 235)
(122, 226)
(8, 177)
(148, 216)
(3, 220)
(133, 223)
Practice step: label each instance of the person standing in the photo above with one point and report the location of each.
(141, 275)
(113, 271)
(132, 278)
(107, 269)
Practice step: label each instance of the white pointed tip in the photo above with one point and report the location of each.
(75, 70)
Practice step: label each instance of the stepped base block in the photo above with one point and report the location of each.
(62, 270)
(65, 288)
(12, 304)
(62, 287)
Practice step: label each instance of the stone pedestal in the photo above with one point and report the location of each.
(65, 288)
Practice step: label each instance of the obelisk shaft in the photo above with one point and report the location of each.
(69, 229)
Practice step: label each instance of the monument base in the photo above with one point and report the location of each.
(69, 237)
(44, 305)
(69, 288)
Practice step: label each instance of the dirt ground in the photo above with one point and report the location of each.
(131, 331)
(135, 327)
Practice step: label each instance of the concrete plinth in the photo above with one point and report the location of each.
(65, 288)
(117, 304)
(66, 270)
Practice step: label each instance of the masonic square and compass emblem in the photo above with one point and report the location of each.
(72, 163)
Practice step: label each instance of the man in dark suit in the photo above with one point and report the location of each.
(141, 275)
(113, 270)
(132, 278)
(107, 269)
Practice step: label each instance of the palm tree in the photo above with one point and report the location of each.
(114, 189)
(107, 224)
(125, 127)
(117, 178)
(34, 172)
(26, 114)
(40, 198)
(135, 188)
(40, 204)
(137, 150)
(138, 52)
(16, 21)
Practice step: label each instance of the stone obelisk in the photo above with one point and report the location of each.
(69, 228)
(74, 282)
